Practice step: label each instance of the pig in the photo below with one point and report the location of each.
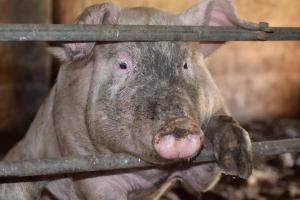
(153, 100)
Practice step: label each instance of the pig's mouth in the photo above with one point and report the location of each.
(180, 138)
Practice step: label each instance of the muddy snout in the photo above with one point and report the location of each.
(178, 139)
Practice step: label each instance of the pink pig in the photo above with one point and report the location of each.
(153, 100)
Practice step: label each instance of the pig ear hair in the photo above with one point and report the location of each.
(213, 13)
(97, 14)
(60, 53)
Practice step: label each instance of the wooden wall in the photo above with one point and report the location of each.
(24, 70)
(261, 79)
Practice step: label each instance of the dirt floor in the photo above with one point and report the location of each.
(273, 177)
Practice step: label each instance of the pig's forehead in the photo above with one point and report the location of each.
(146, 16)
(143, 48)
(150, 16)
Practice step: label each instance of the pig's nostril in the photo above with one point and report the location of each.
(179, 133)
(190, 136)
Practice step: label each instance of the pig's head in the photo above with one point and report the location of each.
(150, 99)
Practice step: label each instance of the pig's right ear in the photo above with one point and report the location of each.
(60, 53)
(213, 13)
(97, 14)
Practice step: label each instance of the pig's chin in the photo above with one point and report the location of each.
(173, 159)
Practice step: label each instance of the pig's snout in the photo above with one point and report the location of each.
(178, 139)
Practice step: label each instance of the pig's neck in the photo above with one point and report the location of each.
(40, 140)
(119, 186)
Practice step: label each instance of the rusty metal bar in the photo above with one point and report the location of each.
(65, 33)
(107, 162)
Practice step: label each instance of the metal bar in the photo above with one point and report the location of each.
(65, 33)
(106, 162)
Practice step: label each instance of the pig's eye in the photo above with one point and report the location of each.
(123, 65)
(185, 66)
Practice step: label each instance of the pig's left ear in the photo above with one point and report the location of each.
(105, 13)
(213, 13)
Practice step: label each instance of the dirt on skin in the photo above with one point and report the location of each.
(273, 177)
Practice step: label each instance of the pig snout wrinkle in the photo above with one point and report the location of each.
(180, 138)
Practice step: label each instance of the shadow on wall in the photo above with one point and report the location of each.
(24, 71)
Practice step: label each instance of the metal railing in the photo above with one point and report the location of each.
(108, 162)
(64, 33)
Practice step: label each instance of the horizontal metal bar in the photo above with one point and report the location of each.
(65, 33)
(107, 162)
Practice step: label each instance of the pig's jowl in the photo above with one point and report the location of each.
(154, 100)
